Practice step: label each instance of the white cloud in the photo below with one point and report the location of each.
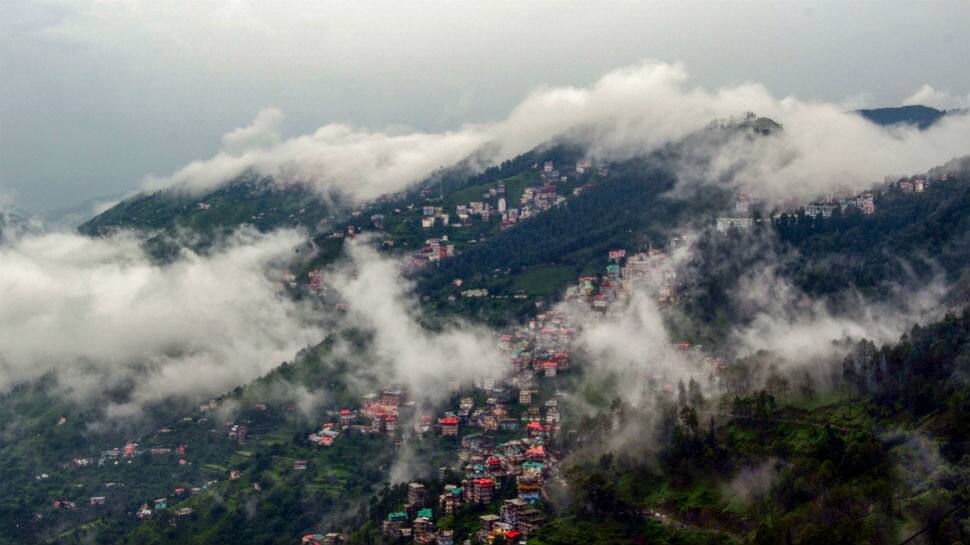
(628, 111)
(941, 99)
(803, 329)
(100, 314)
(422, 360)
(263, 132)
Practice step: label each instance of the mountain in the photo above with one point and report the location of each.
(865, 443)
(920, 116)
(248, 200)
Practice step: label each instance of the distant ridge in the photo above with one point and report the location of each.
(921, 116)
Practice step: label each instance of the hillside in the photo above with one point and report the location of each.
(920, 116)
(249, 200)
(694, 442)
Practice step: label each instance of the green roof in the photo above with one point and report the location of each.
(426, 513)
(397, 515)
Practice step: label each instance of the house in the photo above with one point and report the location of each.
(529, 520)
(183, 512)
(480, 490)
(238, 432)
(234, 475)
(395, 521)
(742, 204)
(866, 203)
(486, 525)
(299, 465)
(422, 529)
(450, 499)
(312, 539)
(391, 398)
(97, 500)
(445, 537)
(725, 224)
(324, 438)
(417, 495)
(449, 426)
(528, 484)
(377, 423)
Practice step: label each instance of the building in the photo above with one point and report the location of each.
(486, 523)
(391, 398)
(395, 521)
(450, 499)
(238, 432)
(725, 224)
(445, 537)
(422, 529)
(449, 426)
(480, 490)
(866, 203)
(742, 204)
(417, 495)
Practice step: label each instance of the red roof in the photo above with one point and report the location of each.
(344, 412)
(533, 426)
(483, 481)
(512, 534)
(448, 421)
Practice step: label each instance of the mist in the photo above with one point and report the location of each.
(100, 314)
(627, 112)
(425, 361)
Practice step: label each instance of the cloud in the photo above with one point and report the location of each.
(263, 132)
(802, 329)
(101, 315)
(941, 99)
(627, 112)
(422, 360)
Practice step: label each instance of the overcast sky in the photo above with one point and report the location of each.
(94, 96)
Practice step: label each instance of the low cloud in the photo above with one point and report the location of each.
(381, 301)
(627, 112)
(101, 315)
(801, 329)
(752, 484)
(941, 99)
